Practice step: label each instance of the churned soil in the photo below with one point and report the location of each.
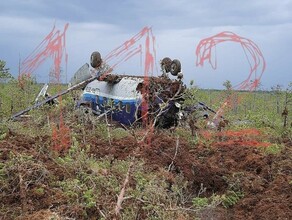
(216, 162)
(231, 157)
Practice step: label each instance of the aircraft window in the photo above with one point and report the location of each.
(104, 101)
(128, 108)
(120, 105)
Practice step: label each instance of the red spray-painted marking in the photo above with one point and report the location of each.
(241, 133)
(243, 143)
(61, 140)
(255, 58)
(242, 138)
(131, 48)
(253, 54)
(53, 46)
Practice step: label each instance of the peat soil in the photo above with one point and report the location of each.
(220, 161)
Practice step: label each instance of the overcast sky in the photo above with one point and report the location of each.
(178, 27)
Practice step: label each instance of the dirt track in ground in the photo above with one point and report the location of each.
(264, 179)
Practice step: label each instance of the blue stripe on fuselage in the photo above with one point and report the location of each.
(123, 110)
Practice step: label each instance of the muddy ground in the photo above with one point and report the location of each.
(220, 161)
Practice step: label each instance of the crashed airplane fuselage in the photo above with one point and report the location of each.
(131, 99)
(122, 97)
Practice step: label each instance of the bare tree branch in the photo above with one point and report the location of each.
(176, 150)
(123, 190)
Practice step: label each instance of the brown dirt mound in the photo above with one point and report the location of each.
(264, 179)
(119, 149)
(233, 158)
(29, 176)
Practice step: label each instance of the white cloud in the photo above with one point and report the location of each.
(23, 25)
